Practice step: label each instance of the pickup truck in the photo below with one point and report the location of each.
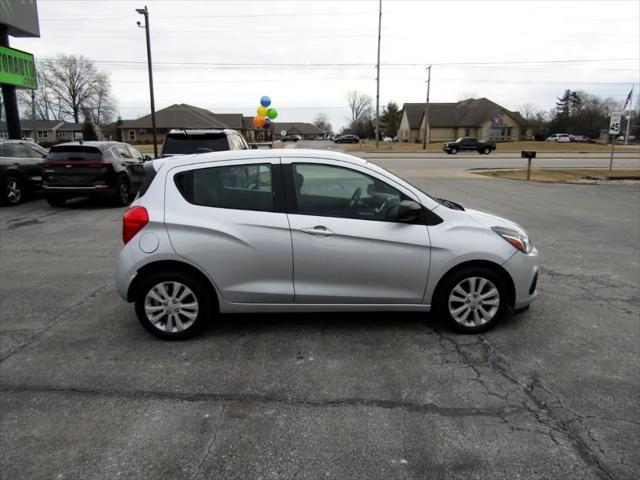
(469, 143)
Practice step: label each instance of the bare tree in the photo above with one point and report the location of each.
(101, 105)
(360, 106)
(467, 95)
(70, 85)
(47, 105)
(322, 122)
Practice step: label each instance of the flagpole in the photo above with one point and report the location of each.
(626, 136)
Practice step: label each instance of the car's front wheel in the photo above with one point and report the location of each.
(173, 305)
(13, 190)
(454, 151)
(473, 299)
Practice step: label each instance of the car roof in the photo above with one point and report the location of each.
(102, 145)
(257, 154)
(201, 131)
(15, 140)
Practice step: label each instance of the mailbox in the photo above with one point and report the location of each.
(528, 154)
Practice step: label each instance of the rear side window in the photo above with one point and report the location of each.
(183, 145)
(240, 187)
(74, 153)
(149, 175)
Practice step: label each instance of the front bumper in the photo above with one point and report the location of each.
(523, 269)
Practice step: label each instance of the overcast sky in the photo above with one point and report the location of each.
(224, 55)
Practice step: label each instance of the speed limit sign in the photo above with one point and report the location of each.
(614, 125)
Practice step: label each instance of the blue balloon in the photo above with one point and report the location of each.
(265, 101)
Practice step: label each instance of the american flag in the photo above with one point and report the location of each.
(627, 102)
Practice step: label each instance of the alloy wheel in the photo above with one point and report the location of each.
(124, 193)
(171, 307)
(14, 192)
(474, 301)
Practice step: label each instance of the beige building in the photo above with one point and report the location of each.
(480, 118)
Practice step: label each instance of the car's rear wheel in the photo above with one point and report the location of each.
(173, 305)
(12, 190)
(122, 195)
(56, 201)
(473, 299)
(486, 150)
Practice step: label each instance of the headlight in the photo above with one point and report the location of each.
(520, 240)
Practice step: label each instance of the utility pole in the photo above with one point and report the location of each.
(427, 126)
(626, 136)
(33, 115)
(144, 11)
(378, 76)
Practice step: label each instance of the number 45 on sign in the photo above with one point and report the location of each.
(614, 125)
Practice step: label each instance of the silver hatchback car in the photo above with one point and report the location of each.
(305, 230)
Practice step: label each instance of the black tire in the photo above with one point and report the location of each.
(487, 150)
(56, 201)
(203, 297)
(122, 195)
(456, 278)
(13, 190)
(454, 151)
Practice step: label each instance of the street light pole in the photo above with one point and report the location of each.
(378, 76)
(427, 127)
(144, 11)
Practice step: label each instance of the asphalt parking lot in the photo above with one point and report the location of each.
(553, 392)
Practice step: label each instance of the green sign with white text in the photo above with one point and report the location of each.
(17, 68)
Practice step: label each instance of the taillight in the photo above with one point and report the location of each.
(133, 221)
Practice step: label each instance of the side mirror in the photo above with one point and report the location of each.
(409, 211)
(146, 158)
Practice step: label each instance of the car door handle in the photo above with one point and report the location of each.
(318, 230)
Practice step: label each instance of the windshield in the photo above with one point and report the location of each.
(181, 144)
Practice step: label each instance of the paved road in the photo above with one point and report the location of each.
(552, 393)
(443, 165)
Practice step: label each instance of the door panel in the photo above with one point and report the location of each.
(347, 246)
(358, 261)
(246, 253)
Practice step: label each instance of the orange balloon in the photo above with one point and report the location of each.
(258, 121)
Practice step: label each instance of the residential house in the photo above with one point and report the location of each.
(48, 131)
(173, 117)
(479, 118)
(308, 131)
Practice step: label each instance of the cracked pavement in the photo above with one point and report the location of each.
(86, 393)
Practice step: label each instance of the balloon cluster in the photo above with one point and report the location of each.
(265, 114)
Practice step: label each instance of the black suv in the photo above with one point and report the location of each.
(20, 169)
(347, 139)
(185, 142)
(111, 170)
(469, 144)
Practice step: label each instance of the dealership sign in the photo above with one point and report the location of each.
(17, 68)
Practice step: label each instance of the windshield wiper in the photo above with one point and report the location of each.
(449, 204)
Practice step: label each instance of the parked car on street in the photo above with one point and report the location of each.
(559, 137)
(347, 139)
(189, 141)
(290, 137)
(20, 169)
(581, 139)
(232, 232)
(465, 144)
(111, 170)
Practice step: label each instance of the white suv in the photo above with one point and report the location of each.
(305, 230)
(559, 137)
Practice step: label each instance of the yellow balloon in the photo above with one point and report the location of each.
(262, 111)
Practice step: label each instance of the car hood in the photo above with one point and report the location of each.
(490, 220)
